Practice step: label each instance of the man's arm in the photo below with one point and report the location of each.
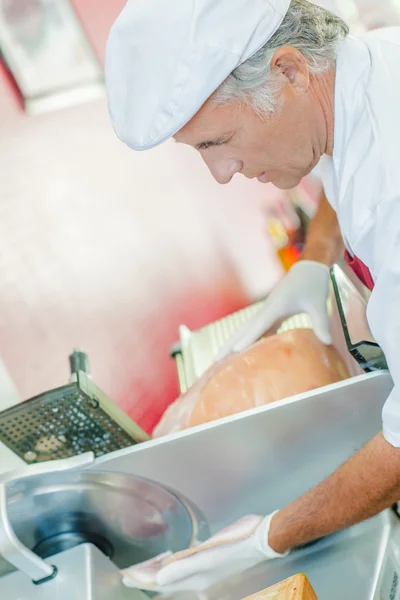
(366, 484)
(324, 241)
(370, 480)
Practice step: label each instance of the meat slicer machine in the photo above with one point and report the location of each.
(94, 494)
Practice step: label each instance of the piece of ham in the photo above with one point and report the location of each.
(276, 367)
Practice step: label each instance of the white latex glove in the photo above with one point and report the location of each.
(304, 289)
(240, 546)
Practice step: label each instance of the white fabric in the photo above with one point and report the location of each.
(240, 546)
(304, 289)
(165, 58)
(362, 184)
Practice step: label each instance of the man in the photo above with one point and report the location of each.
(265, 89)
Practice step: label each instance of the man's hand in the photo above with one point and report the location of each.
(236, 548)
(304, 289)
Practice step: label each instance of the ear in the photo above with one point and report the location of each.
(291, 63)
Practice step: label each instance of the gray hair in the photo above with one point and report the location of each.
(311, 29)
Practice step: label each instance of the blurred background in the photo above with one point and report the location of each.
(110, 250)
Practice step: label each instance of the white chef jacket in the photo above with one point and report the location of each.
(362, 183)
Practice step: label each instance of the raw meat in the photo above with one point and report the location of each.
(276, 367)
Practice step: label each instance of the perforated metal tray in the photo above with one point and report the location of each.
(67, 421)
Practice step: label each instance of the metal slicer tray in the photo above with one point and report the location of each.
(129, 518)
(68, 421)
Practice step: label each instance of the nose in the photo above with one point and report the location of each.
(223, 170)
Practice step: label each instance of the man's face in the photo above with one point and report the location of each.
(281, 149)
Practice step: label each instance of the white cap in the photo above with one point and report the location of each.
(165, 58)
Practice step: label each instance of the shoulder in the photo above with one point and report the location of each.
(383, 98)
(384, 36)
(384, 51)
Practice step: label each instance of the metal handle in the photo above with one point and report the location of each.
(10, 547)
(79, 361)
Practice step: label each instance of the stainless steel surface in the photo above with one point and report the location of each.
(258, 461)
(67, 464)
(346, 566)
(68, 421)
(388, 587)
(129, 518)
(84, 573)
(11, 548)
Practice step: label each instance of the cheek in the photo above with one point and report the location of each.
(261, 144)
(262, 154)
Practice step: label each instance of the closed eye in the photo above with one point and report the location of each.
(206, 145)
(213, 143)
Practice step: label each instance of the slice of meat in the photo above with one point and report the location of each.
(274, 368)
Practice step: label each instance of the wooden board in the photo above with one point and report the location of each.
(295, 588)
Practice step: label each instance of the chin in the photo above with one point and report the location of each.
(286, 183)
